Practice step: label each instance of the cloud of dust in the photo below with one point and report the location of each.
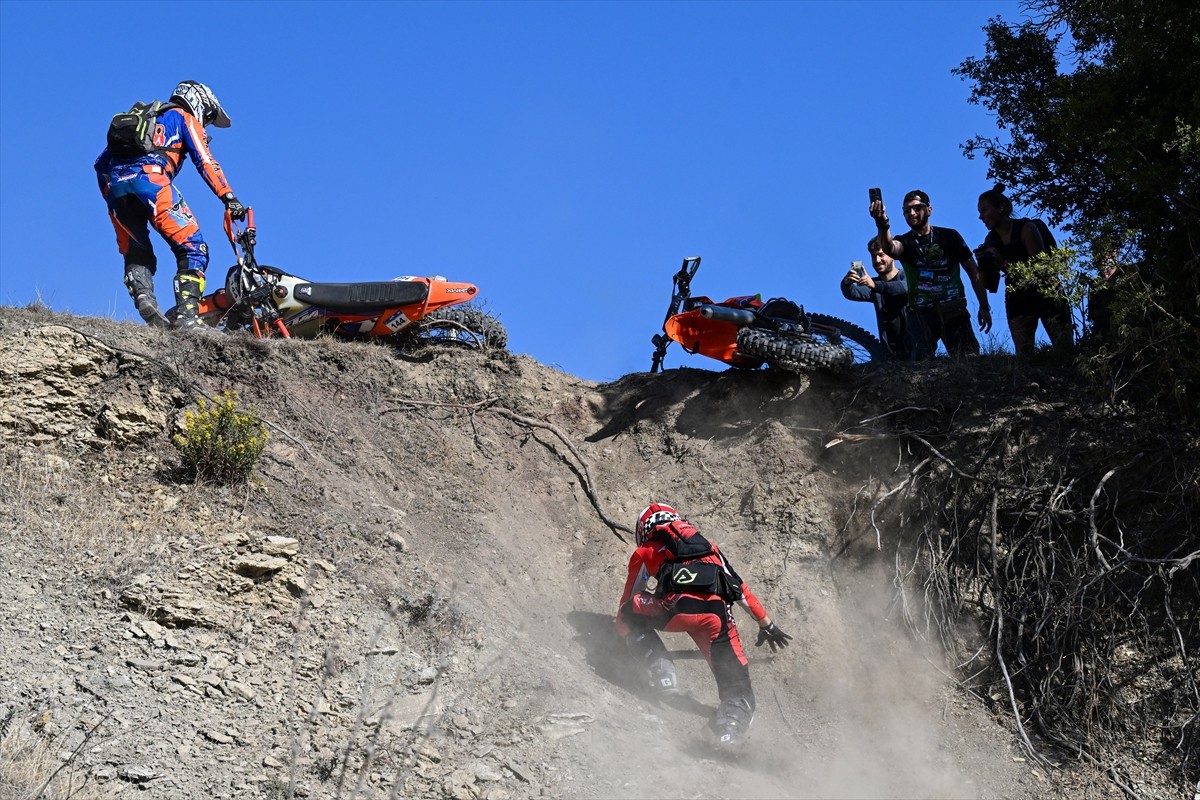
(884, 721)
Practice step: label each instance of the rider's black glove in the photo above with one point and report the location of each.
(235, 209)
(772, 636)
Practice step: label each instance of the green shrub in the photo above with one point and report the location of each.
(219, 442)
(1145, 353)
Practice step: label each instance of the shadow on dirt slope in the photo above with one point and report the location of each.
(413, 596)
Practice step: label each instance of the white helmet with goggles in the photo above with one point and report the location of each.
(198, 99)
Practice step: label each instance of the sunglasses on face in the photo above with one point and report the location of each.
(914, 208)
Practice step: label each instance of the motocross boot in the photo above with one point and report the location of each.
(663, 679)
(139, 280)
(189, 288)
(732, 721)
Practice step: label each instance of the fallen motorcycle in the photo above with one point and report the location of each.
(411, 310)
(747, 332)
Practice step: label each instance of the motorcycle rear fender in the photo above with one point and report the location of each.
(444, 293)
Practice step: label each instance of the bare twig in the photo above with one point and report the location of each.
(895, 411)
(489, 406)
(999, 611)
(73, 756)
(589, 482)
(899, 488)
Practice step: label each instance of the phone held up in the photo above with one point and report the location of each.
(857, 266)
(875, 194)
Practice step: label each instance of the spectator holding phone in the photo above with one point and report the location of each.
(1013, 241)
(932, 258)
(888, 291)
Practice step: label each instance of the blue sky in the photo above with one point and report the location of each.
(563, 156)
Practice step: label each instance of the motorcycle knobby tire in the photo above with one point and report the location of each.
(866, 346)
(461, 325)
(792, 353)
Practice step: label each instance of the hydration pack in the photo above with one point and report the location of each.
(1047, 237)
(694, 565)
(131, 133)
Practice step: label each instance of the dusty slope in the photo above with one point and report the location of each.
(444, 628)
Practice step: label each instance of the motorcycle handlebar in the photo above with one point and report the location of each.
(682, 291)
(230, 228)
(244, 236)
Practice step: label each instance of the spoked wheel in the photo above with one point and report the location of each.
(465, 327)
(838, 332)
(795, 354)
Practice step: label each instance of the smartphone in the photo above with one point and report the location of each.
(875, 194)
(857, 266)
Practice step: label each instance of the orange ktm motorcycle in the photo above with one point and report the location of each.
(747, 332)
(270, 302)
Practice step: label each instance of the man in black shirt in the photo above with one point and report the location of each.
(937, 302)
(888, 291)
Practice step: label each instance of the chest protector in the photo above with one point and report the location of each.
(694, 565)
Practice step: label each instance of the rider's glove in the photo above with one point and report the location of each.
(235, 209)
(773, 636)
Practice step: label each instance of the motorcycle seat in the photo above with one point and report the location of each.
(361, 298)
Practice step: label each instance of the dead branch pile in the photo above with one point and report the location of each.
(1060, 565)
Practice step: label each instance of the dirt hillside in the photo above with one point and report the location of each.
(414, 595)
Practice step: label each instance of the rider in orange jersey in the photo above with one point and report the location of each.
(139, 192)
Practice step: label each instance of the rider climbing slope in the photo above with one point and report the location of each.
(695, 592)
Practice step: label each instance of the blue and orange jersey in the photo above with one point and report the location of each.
(176, 133)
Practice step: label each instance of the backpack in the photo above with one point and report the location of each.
(131, 134)
(1044, 230)
(694, 565)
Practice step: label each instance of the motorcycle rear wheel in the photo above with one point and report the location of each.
(459, 325)
(865, 346)
(792, 353)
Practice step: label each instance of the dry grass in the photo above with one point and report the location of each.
(93, 517)
(33, 763)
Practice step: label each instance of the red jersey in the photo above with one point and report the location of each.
(651, 556)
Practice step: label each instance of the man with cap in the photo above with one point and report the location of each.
(932, 257)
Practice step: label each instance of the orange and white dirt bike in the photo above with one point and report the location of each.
(411, 310)
(747, 332)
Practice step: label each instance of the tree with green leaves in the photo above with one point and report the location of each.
(1098, 108)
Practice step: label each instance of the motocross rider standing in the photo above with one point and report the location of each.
(139, 191)
(695, 592)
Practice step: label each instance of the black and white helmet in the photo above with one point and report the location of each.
(201, 102)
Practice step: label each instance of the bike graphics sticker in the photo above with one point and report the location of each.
(307, 315)
(362, 327)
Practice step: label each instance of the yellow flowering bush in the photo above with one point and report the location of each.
(219, 442)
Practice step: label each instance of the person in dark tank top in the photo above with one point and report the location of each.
(1014, 241)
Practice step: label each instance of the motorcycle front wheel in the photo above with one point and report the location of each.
(459, 325)
(793, 353)
(839, 332)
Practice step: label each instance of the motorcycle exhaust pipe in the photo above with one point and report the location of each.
(738, 316)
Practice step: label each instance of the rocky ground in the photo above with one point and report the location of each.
(413, 596)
